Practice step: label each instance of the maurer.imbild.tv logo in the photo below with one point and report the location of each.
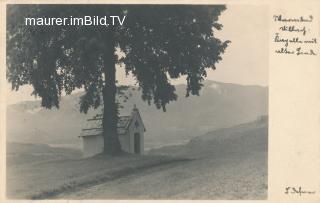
(76, 21)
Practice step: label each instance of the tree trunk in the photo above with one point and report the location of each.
(110, 110)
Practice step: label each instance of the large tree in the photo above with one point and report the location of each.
(157, 43)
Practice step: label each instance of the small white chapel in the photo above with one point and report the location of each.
(130, 131)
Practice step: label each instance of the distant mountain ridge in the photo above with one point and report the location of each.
(219, 105)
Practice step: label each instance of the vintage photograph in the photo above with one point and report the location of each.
(159, 102)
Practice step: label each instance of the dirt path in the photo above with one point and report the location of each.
(201, 179)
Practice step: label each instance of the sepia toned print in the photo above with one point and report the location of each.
(137, 102)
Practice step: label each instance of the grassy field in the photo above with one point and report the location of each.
(60, 170)
(230, 163)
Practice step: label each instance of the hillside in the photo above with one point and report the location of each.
(244, 138)
(229, 163)
(19, 153)
(36, 171)
(220, 105)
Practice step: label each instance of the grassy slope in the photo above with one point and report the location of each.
(46, 176)
(26, 153)
(227, 164)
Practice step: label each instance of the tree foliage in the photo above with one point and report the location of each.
(160, 42)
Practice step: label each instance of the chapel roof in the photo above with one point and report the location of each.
(94, 125)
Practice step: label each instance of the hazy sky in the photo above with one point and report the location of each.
(244, 62)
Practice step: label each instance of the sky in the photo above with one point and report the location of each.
(245, 61)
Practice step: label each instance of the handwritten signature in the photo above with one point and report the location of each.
(297, 190)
